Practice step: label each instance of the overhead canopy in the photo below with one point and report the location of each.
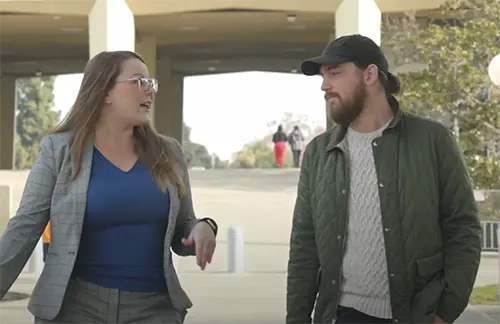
(200, 37)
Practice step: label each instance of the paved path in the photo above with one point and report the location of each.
(224, 299)
(261, 202)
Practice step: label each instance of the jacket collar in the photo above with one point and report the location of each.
(337, 137)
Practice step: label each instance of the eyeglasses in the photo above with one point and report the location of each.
(145, 84)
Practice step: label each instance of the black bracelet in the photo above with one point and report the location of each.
(210, 223)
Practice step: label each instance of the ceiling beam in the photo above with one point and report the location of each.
(47, 7)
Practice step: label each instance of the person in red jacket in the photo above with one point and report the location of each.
(279, 140)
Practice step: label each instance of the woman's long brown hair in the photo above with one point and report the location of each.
(99, 78)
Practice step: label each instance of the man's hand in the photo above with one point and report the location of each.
(203, 237)
(438, 320)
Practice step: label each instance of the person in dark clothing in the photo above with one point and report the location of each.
(361, 250)
(279, 140)
(296, 140)
(46, 238)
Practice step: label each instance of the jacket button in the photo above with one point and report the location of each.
(339, 237)
(381, 185)
(344, 191)
(375, 144)
(334, 282)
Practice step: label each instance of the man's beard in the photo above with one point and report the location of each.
(345, 112)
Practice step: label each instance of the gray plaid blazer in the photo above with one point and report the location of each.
(49, 194)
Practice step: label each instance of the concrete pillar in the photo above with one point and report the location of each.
(111, 27)
(359, 17)
(146, 47)
(5, 206)
(7, 121)
(168, 113)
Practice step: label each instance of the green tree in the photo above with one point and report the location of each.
(489, 208)
(254, 155)
(452, 85)
(259, 155)
(309, 128)
(197, 155)
(35, 115)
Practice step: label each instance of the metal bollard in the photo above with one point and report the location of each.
(36, 260)
(236, 250)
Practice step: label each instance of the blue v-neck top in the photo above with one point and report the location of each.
(123, 235)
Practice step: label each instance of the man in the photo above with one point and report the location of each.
(296, 140)
(385, 226)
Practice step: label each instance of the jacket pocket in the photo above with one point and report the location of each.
(429, 266)
(429, 288)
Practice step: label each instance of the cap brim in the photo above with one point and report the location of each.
(313, 65)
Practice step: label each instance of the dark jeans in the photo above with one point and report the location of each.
(296, 158)
(347, 315)
(45, 250)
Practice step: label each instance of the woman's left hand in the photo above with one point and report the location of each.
(203, 238)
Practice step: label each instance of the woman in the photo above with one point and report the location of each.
(118, 197)
(279, 140)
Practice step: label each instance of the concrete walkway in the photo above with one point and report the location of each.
(225, 299)
(261, 202)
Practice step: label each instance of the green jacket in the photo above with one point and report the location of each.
(430, 220)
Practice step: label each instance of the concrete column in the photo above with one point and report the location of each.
(168, 113)
(5, 206)
(145, 46)
(7, 121)
(111, 27)
(359, 17)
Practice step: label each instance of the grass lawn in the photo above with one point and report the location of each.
(486, 295)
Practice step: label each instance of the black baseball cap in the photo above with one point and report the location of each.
(358, 49)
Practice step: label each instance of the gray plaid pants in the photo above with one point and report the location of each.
(86, 303)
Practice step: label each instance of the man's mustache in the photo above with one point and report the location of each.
(331, 95)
